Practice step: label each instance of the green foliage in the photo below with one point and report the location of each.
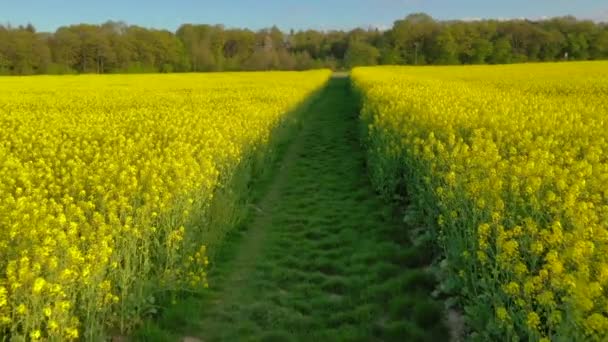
(115, 47)
(59, 69)
(502, 51)
(361, 53)
(599, 46)
(390, 56)
(482, 49)
(446, 48)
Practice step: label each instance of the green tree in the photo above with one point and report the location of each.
(446, 49)
(578, 45)
(482, 50)
(361, 53)
(553, 45)
(413, 37)
(502, 52)
(390, 56)
(416, 39)
(599, 45)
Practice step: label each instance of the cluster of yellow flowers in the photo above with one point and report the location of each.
(511, 164)
(105, 182)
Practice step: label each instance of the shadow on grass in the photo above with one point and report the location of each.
(319, 257)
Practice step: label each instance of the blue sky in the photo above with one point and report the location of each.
(47, 15)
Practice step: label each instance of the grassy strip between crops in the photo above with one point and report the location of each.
(319, 258)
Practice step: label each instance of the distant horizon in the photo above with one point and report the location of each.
(342, 15)
(380, 27)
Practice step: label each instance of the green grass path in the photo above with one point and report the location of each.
(321, 257)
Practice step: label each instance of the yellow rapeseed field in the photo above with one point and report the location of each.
(106, 185)
(511, 164)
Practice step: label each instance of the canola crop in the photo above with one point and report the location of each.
(106, 185)
(510, 164)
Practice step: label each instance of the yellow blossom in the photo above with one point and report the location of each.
(518, 152)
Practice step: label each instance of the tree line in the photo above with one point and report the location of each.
(115, 47)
